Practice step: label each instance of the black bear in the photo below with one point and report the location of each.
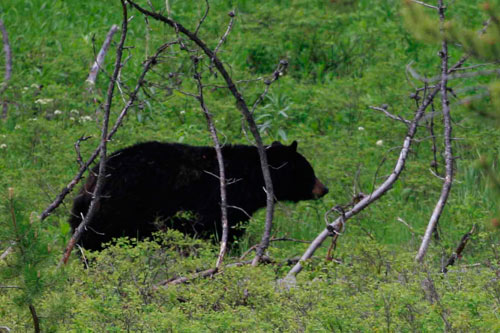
(153, 185)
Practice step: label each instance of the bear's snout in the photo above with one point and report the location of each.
(319, 189)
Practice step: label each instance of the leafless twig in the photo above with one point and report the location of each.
(243, 108)
(390, 115)
(133, 96)
(424, 4)
(458, 251)
(103, 144)
(8, 67)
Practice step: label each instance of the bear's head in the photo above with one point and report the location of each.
(292, 175)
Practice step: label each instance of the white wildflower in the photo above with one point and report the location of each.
(182, 112)
(17, 127)
(57, 112)
(86, 118)
(43, 101)
(75, 112)
(34, 85)
(71, 118)
(3, 146)
(361, 128)
(380, 142)
(33, 119)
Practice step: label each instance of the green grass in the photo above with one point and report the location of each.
(344, 56)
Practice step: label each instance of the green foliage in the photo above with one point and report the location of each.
(344, 56)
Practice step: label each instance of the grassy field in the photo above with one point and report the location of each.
(344, 56)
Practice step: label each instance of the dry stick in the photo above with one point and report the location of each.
(220, 161)
(376, 194)
(8, 67)
(133, 96)
(103, 145)
(91, 79)
(448, 153)
(243, 107)
(459, 249)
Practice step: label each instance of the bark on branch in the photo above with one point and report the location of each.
(448, 152)
(99, 61)
(220, 161)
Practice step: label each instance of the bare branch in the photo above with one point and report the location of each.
(390, 115)
(8, 66)
(425, 4)
(448, 152)
(243, 108)
(203, 18)
(228, 30)
(133, 96)
(220, 161)
(280, 69)
(458, 251)
(6, 253)
(369, 199)
(103, 144)
(91, 79)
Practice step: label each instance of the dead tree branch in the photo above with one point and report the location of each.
(8, 67)
(99, 61)
(381, 190)
(103, 144)
(132, 99)
(458, 251)
(243, 108)
(390, 115)
(448, 152)
(220, 161)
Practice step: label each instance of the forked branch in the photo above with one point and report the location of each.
(243, 108)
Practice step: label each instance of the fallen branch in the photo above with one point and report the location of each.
(8, 67)
(91, 79)
(6, 253)
(458, 251)
(377, 193)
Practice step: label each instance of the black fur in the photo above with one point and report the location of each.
(154, 185)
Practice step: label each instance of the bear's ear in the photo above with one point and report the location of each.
(293, 146)
(276, 143)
